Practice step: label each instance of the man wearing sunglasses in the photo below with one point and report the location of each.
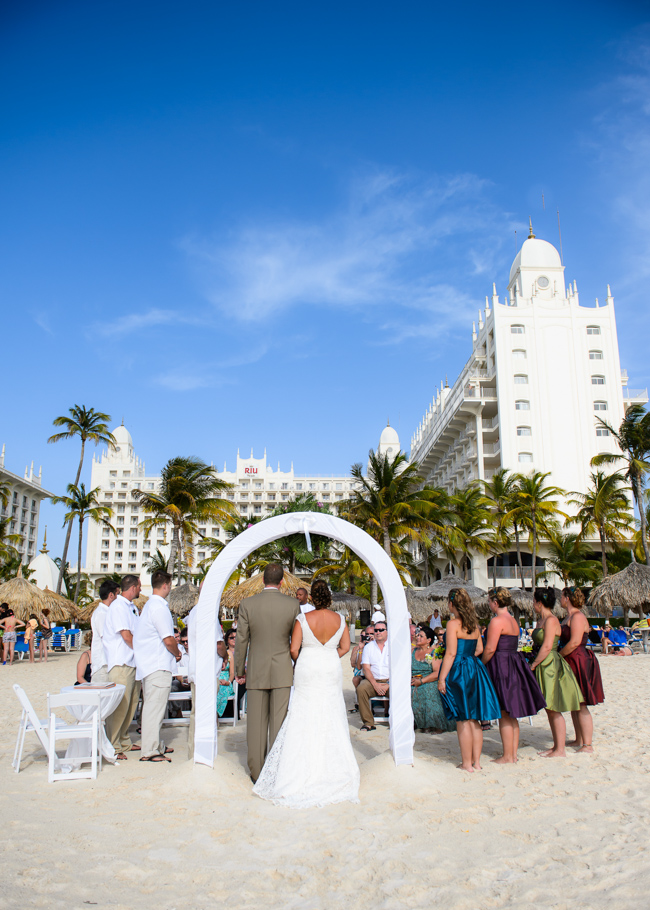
(374, 664)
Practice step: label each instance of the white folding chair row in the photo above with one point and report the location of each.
(81, 730)
(184, 719)
(380, 719)
(50, 729)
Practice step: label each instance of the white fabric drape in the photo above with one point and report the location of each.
(205, 613)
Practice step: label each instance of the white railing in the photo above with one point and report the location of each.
(491, 448)
(635, 394)
(490, 423)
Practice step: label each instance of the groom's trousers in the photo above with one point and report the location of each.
(265, 714)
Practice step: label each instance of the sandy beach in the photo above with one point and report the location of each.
(554, 833)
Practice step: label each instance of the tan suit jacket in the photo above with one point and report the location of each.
(264, 626)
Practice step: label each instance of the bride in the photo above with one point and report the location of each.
(312, 762)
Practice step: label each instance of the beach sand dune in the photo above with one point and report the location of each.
(553, 834)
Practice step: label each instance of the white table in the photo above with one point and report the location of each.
(109, 700)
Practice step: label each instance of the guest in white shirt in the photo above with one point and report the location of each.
(108, 591)
(303, 599)
(119, 626)
(374, 664)
(434, 620)
(156, 656)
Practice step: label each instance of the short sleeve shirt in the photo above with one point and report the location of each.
(377, 659)
(97, 622)
(154, 625)
(121, 616)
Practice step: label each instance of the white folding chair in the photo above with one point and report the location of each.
(29, 723)
(231, 698)
(380, 718)
(83, 730)
(184, 719)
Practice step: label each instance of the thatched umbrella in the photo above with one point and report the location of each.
(629, 589)
(60, 607)
(24, 598)
(352, 604)
(255, 585)
(421, 601)
(182, 599)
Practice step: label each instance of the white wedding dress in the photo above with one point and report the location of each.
(312, 762)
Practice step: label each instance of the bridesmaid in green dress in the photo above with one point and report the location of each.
(555, 677)
(428, 711)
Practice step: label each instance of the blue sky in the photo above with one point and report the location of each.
(271, 225)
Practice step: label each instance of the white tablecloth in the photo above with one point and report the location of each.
(110, 699)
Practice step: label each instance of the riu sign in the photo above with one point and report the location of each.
(250, 470)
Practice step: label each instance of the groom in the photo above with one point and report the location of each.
(264, 627)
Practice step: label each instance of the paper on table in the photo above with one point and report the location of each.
(110, 685)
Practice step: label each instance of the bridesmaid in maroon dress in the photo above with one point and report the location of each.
(517, 689)
(575, 633)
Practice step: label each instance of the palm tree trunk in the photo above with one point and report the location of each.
(519, 562)
(386, 540)
(534, 572)
(68, 533)
(373, 591)
(603, 554)
(644, 530)
(81, 532)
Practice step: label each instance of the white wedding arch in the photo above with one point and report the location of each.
(205, 621)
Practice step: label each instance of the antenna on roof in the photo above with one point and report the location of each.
(559, 230)
(516, 248)
(543, 203)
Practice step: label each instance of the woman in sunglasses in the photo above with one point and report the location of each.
(574, 636)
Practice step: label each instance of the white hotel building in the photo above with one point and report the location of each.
(26, 494)
(542, 369)
(257, 490)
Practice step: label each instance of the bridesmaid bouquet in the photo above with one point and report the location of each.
(438, 652)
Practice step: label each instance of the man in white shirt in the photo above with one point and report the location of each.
(375, 666)
(303, 599)
(156, 656)
(117, 638)
(108, 591)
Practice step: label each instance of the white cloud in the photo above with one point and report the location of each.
(135, 322)
(396, 243)
(208, 375)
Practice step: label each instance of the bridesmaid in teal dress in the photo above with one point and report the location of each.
(464, 684)
(428, 711)
(225, 681)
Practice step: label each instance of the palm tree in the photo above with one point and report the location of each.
(469, 530)
(391, 504)
(536, 509)
(82, 505)
(633, 439)
(344, 571)
(90, 426)
(500, 492)
(157, 562)
(604, 509)
(292, 550)
(570, 557)
(189, 492)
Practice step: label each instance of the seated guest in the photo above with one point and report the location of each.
(226, 678)
(413, 628)
(428, 710)
(84, 668)
(230, 641)
(434, 620)
(355, 659)
(374, 664)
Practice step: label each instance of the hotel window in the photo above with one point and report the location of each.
(104, 555)
(120, 521)
(257, 509)
(285, 497)
(147, 542)
(600, 405)
(598, 380)
(133, 555)
(602, 431)
(146, 555)
(339, 486)
(161, 532)
(271, 495)
(118, 555)
(517, 330)
(108, 495)
(134, 519)
(111, 486)
(595, 355)
(271, 486)
(593, 330)
(203, 531)
(326, 495)
(121, 495)
(104, 566)
(113, 473)
(201, 556)
(298, 486)
(131, 565)
(124, 486)
(258, 485)
(150, 486)
(285, 486)
(231, 495)
(326, 486)
(520, 353)
(312, 486)
(215, 532)
(257, 495)
(136, 486)
(521, 379)
(120, 508)
(244, 485)
(522, 405)
(339, 495)
(524, 431)
(526, 457)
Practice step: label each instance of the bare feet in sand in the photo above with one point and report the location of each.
(585, 748)
(462, 767)
(502, 760)
(553, 753)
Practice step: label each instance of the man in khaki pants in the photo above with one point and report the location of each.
(264, 626)
(156, 655)
(118, 646)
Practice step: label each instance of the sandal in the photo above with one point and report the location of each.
(368, 728)
(168, 751)
(486, 725)
(155, 758)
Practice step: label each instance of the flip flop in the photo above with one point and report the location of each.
(168, 751)
(155, 758)
(365, 727)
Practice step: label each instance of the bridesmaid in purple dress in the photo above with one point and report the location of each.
(517, 689)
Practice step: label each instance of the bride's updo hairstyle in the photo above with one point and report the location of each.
(576, 597)
(545, 597)
(321, 596)
(465, 609)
